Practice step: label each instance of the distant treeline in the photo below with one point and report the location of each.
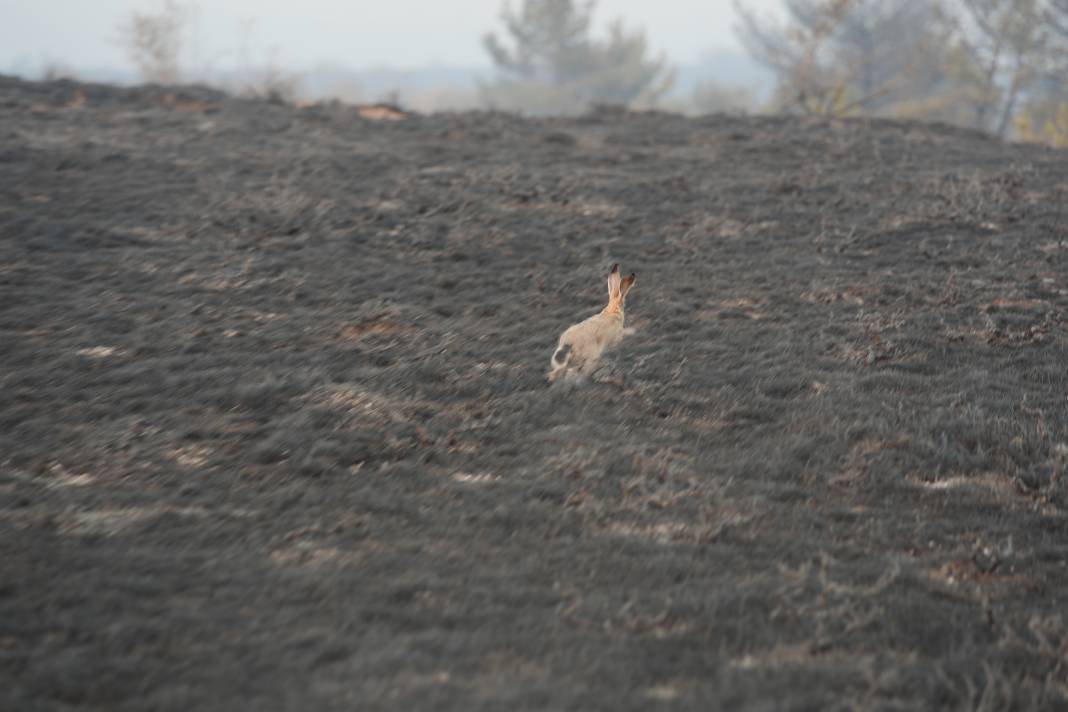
(1000, 66)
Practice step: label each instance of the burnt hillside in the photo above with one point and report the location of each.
(275, 433)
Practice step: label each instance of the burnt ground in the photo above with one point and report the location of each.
(274, 430)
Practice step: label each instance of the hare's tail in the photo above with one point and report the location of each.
(560, 358)
(560, 362)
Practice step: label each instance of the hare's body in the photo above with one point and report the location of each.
(580, 346)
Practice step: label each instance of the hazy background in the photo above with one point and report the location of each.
(403, 34)
(428, 55)
(999, 66)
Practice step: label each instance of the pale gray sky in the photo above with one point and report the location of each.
(354, 33)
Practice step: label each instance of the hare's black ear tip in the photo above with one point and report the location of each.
(634, 275)
(615, 268)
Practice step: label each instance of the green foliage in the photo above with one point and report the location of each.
(1043, 123)
(994, 65)
(552, 65)
(847, 56)
(1003, 48)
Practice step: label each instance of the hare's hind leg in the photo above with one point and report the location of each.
(587, 366)
(567, 378)
(571, 373)
(575, 372)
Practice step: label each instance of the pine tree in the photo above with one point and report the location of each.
(553, 65)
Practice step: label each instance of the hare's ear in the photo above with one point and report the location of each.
(626, 284)
(613, 282)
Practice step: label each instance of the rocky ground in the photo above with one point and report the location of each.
(275, 432)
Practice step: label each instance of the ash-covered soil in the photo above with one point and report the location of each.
(275, 432)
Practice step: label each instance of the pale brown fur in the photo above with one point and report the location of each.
(580, 346)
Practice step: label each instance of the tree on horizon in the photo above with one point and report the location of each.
(550, 64)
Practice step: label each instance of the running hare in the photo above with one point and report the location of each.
(581, 345)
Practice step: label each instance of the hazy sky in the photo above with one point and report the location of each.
(354, 33)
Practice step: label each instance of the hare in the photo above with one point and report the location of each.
(581, 345)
